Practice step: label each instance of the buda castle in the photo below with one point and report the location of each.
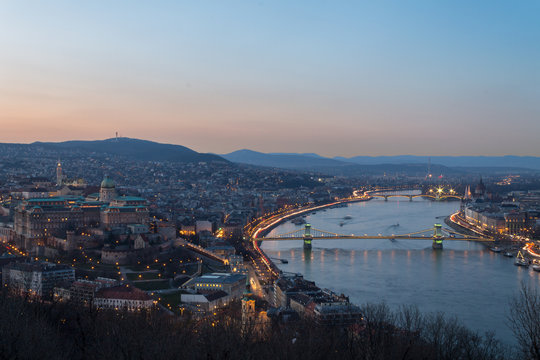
(36, 220)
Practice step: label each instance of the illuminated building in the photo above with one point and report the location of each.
(232, 284)
(107, 191)
(124, 297)
(36, 220)
(207, 301)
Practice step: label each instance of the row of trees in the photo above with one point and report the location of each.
(58, 331)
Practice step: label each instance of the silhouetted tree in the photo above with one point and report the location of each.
(524, 320)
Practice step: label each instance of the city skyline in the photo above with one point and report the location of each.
(334, 79)
(270, 179)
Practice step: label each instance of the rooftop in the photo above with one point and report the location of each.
(124, 292)
(129, 198)
(214, 295)
(37, 266)
(221, 278)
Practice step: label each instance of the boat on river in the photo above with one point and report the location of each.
(536, 265)
(496, 249)
(508, 254)
(347, 217)
(298, 221)
(521, 260)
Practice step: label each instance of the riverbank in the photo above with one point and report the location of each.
(257, 233)
(505, 245)
(262, 230)
(457, 227)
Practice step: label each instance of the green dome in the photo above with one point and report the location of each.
(107, 183)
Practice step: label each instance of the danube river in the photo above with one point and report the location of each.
(465, 279)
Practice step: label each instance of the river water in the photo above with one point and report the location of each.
(464, 280)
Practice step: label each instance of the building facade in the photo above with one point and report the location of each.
(232, 284)
(37, 279)
(35, 220)
(124, 297)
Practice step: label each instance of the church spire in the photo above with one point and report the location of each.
(59, 173)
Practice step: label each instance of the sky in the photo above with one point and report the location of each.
(331, 77)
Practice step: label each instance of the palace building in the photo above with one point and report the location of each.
(37, 219)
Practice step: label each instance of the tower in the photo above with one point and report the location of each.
(58, 173)
(437, 237)
(307, 237)
(480, 190)
(468, 193)
(107, 192)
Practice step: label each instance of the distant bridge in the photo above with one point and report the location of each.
(438, 193)
(412, 196)
(436, 233)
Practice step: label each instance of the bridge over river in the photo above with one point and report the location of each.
(437, 234)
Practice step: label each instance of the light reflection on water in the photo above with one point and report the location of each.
(464, 279)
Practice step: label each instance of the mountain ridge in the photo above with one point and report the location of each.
(381, 164)
(531, 162)
(299, 159)
(133, 148)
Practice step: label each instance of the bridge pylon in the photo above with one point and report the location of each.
(437, 237)
(307, 236)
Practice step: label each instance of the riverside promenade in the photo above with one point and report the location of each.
(264, 268)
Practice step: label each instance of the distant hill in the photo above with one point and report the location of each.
(301, 154)
(372, 165)
(508, 161)
(316, 163)
(134, 149)
(284, 161)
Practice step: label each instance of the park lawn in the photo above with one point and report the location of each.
(97, 267)
(143, 276)
(145, 267)
(152, 285)
(172, 300)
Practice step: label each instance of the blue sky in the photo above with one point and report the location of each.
(332, 77)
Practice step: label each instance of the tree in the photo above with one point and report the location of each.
(524, 320)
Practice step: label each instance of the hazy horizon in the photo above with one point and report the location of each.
(278, 152)
(337, 79)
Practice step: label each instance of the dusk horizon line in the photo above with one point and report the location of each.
(307, 152)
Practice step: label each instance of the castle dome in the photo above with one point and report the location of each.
(107, 183)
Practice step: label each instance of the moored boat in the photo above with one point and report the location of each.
(521, 260)
(496, 249)
(508, 254)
